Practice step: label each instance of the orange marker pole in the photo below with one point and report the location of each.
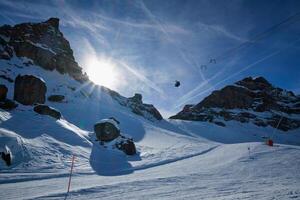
(70, 177)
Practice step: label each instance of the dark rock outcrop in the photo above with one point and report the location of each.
(29, 90)
(3, 92)
(56, 98)
(43, 43)
(6, 156)
(137, 98)
(47, 110)
(252, 100)
(137, 106)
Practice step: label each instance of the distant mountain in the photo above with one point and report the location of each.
(251, 100)
(44, 45)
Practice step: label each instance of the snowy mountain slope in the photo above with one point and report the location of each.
(236, 132)
(176, 159)
(80, 113)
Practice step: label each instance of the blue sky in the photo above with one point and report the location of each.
(152, 43)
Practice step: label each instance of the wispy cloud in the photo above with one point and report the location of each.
(218, 29)
(142, 78)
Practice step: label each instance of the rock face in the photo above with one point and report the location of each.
(252, 100)
(138, 107)
(47, 110)
(56, 98)
(29, 90)
(3, 92)
(43, 43)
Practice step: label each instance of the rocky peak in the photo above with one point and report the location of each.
(259, 83)
(137, 98)
(248, 100)
(43, 43)
(136, 105)
(54, 22)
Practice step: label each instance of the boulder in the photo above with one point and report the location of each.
(6, 157)
(127, 146)
(56, 98)
(47, 110)
(107, 130)
(29, 90)
(8, 104)
(220, 123)
(3, 92)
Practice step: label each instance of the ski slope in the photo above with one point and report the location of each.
(175, 160)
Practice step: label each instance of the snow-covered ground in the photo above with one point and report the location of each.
(175, 160)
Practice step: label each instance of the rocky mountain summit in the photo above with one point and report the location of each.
(137, 106)
(252, 100)
(44, 45)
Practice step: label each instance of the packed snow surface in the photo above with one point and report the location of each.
(176, 159)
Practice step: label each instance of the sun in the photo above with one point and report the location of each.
(102, 71)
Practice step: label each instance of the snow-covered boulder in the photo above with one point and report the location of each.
(47, 110)
(108, 133)
(13, 148)
(107, 130)
(29, 90)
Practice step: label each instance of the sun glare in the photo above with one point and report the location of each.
(102, 72)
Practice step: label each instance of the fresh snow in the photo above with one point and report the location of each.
(176, 159)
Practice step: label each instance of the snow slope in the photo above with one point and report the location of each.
(175, 160)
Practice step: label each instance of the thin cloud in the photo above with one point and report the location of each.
(218, 29)
(142, 78)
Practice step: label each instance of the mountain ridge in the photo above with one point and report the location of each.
(247, 100)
